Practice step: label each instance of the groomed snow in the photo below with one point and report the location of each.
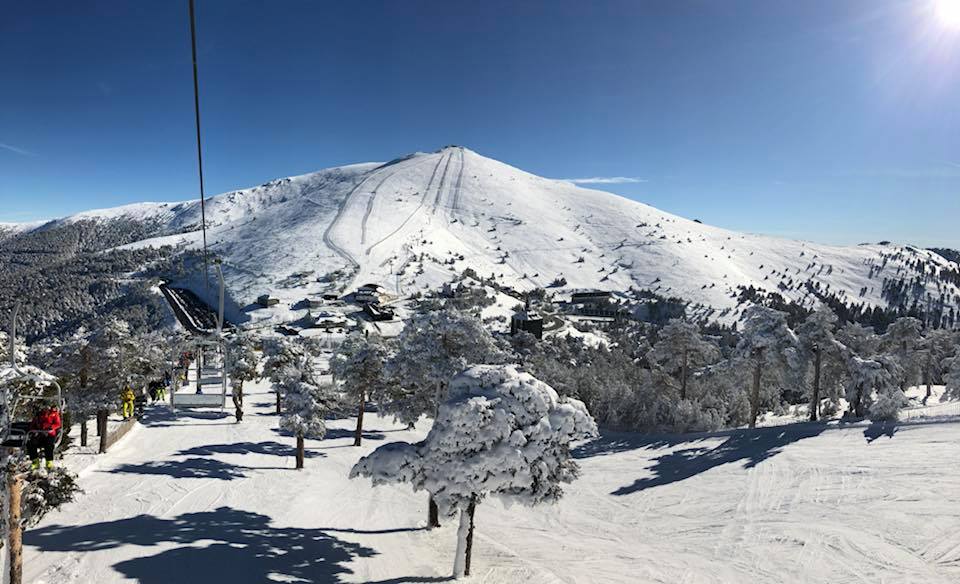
(197, 498)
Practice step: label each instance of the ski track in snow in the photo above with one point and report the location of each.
(423, 200)
(188, 497)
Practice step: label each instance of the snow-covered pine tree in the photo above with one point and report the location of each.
(499, 433)
(279, 353)
(951, 376)
(679, 348)
(358, 366)
(874, 387)
(432, 348)
(112, 366)
(768, 348)
(242, 362)
(818, 342)
(935, 348)
(902, 341)
(305, 403)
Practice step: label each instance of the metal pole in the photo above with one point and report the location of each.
(196, 110)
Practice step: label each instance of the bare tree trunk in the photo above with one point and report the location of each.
(278, 402)
(300, 451)
(858, 402)
(83, 431)
(683, 377)
(102, 424)
(358, 436)
(470, 510)
(238, 401)
(929, 377)
(433, 514)
(755, 396)
(815, 398)
(15, 486)
(461, 562)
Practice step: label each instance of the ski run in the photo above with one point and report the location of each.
(196, 497)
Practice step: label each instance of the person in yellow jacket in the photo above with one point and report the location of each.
(128, 398)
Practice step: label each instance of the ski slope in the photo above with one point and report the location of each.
(197, 498)
(414, 223)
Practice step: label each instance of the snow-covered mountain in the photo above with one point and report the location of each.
(415, 222)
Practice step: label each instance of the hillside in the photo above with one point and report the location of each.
(413, 223)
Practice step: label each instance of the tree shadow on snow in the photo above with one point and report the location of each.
(750, 446)
(878, 429)
(163, 417)
(237, 547)
(335, 433)
(270, 448)
(610, 442)
(192, 468)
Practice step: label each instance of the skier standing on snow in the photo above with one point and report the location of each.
(128, 398)
(43, 434)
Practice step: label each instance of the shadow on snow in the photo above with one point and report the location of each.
(238, 547)
(878, 429)
(270, 448)
(750, 446)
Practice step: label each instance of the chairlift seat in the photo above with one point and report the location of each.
(198, 400)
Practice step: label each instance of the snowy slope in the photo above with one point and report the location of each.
(406, 224)
(198, 498)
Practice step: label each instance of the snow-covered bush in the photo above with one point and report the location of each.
(501, 433)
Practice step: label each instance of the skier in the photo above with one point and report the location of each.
(162, 388)
(127, 397)
(43, 434)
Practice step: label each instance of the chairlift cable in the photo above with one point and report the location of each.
(196, 110)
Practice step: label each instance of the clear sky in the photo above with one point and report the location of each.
(831, 120)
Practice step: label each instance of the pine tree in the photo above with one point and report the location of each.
(280, 353)
(767, 347)
(305, 403)
(433, 347)
(951, 377)
(902, 341)
(111, 367)
(358, 365)
(934, 350)
(679, 348)
(500, 433)
(817, 342)
(874, 387)
(242, 361)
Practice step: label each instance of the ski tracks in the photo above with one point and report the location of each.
(423, 201)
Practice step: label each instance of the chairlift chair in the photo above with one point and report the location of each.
(16, 433)
(216, 376)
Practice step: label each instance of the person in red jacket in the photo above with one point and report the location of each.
(43, 434)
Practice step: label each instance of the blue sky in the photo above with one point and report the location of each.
(831, 120)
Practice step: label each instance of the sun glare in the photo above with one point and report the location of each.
(948, 12)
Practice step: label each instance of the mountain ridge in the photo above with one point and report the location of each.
(414, 222)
